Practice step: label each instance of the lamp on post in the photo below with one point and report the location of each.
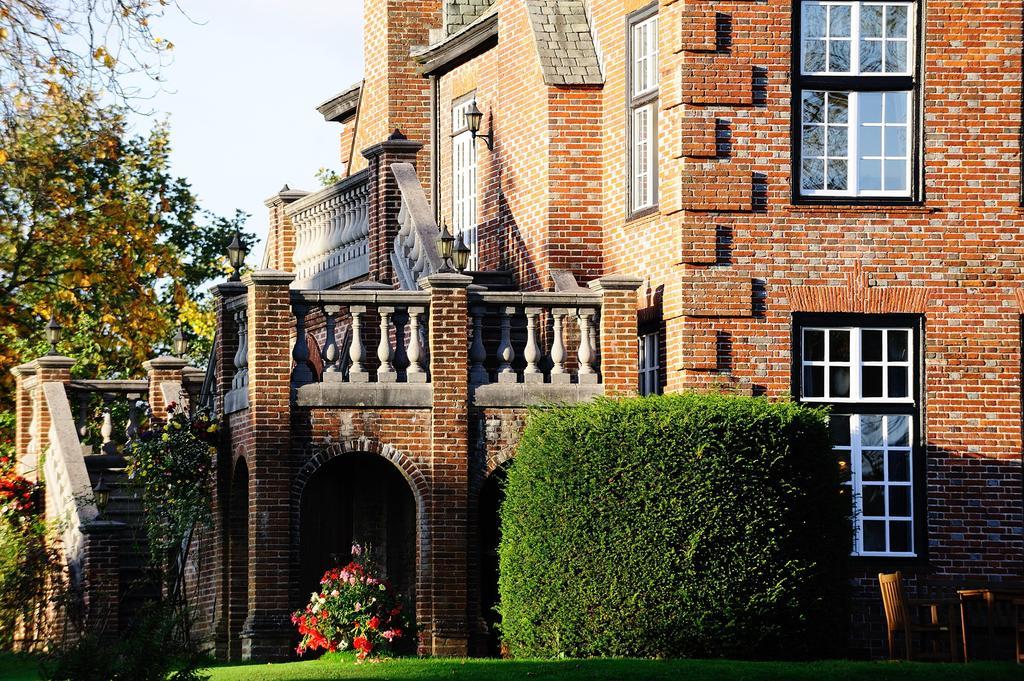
(446, 246)
(101, 493)
(462, 253)
(53, 333)
(236, 257)
(180, 343)
(474, 118)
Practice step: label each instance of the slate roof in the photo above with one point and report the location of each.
(461, 13)
(565, 44)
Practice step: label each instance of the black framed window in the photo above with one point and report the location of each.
(856, 101)
(642, 125)
(649, 342)
(867, 368)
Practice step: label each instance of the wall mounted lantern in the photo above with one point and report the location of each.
(474, 118)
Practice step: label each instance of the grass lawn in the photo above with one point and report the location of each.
(342, 667)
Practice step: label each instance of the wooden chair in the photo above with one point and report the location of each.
(1018, 615)
(939, 622)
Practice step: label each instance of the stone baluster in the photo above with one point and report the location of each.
(134, 409)
(385, 370)
(400, 320)
(83, 399)
(243, 346)
(506, 353)
(357, 372)
(302, 374)
(33, 426)
(585, 354)
(330, 349)
(558, 354)
(107, 429)
(415, 372)
(531, 353)
(477, 352)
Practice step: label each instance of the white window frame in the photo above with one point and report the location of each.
(642, 125)
(650, 363)
(464, 180)
(855, 39)
(856, 365)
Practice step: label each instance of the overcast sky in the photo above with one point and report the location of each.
(242, 91)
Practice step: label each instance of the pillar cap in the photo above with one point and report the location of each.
(24, 370)
(165, 363)
(229, 289)
(445, 280)
(54, 362)
(268, 278)
(616, 282)
(394, 145)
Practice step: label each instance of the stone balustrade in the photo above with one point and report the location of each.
(332, 234)
(108, 413)
(237, 398)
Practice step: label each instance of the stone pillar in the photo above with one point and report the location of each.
(166, 383)
(385, 201)
(619, 354)
(267, 633)
(447, 509)
(101, 568)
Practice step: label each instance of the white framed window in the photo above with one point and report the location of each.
(643, 80)
(464, 180)
(856, 99)
(867, 374)
(650, 363)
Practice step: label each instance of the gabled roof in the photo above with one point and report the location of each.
(565, 43)
(461, 13)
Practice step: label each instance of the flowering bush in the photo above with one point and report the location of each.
(354, 609)
(18, 498)
(172, 465)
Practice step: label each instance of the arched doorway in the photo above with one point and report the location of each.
(238, 558)
(492, 494)
(358, 498)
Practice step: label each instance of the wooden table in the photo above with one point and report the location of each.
(989, 596)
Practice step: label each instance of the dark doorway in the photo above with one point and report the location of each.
(363, 499)
(491, 495)
(238, 558)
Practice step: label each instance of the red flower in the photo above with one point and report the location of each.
(374, 622)
(362, 644)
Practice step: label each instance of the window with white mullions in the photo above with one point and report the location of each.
(642, 38)
(855, 98)
(650, 364)
(464, 180)
(866, 374)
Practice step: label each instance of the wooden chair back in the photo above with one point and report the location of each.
(894, 601)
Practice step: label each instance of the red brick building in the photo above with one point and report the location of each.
(797, 199)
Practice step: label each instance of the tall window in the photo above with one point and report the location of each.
(867, 373)
(464, 216)
(643, 110)
(855, 100)
(650, 364)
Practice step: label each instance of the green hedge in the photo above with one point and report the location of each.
(684, 525)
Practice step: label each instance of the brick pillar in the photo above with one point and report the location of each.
(267, 633)
(25, 382)
(281, 234)
(101, 568)
(619, 355)
(385, 201)
(166, 382)
(447, 509)
(33, 427)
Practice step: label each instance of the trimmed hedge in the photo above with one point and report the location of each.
(685, 525)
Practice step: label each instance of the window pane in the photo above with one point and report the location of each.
(895, 56)
(838, 144)
(839, 21)
(839, 56)
(839, 425)
(899, 431)
(814, 107)
(899, 501)
(898, 382)
(871, 345)
(895, 175)
(871, 430)
(814, 382)
(874, 535)
(814, 140)
(838, 107)
(898, 346)
(895, 141)
(873, 500)
(839, 381)
(870, 141)
(895, 107)
(895, 21)
(871, 381)
(814, 56)
(813, 175)
(899, 536)
(870, 22)
(837, 175)
(870, 56)
(839, 345)
(870, 175)
(870, 104)
(814, 345)
(899, 466)
(872, 466)
(813, 20)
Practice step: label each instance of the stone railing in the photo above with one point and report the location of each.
(331, 234)
(107, 414)
(237, 398)
(544, 343)
(416, 254)
(373, 346)
(69, 492)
